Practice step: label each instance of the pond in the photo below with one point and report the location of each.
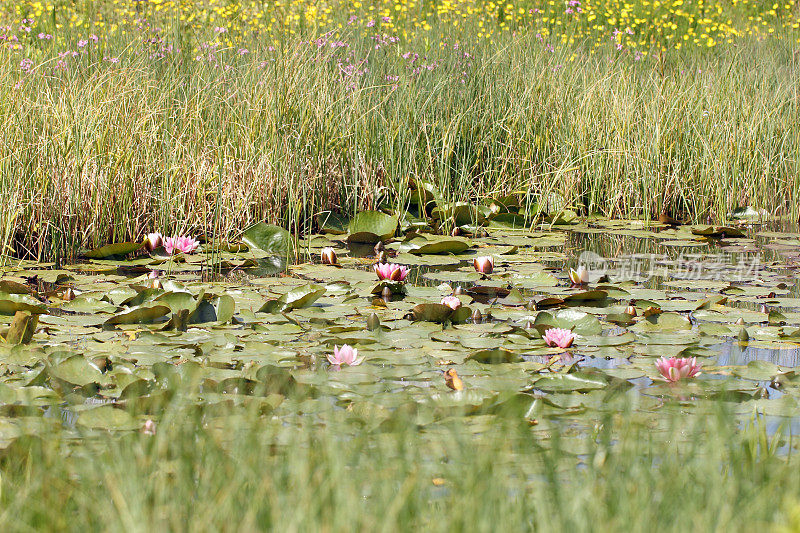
(117, 333)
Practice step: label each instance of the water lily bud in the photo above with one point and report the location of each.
(382, 257)
(743, 336)
(68, 295)
(579, 276)
(484, 265)
(373, 322)
(528, 325)
(329, 256)
(379, 247)
(739, 321)
(386, 293)
(764, 309)
(630, 310)
(458, 291)
(153, 241)
(477, 317)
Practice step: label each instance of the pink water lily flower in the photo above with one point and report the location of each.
(452, 302)
(392, 272)
(563, 338)
(153, 241)
(346, 355)
(579, 276)
(183, 244)
(484, 265)
(677, 368)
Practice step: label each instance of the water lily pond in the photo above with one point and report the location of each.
(103, 344)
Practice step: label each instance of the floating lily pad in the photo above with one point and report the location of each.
(422, 245)
(578, 321)
(112, 250)
(269, 239)
(371, 227)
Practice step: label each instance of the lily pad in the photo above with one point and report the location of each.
(371, 227)
(111, 250)
(269, 239)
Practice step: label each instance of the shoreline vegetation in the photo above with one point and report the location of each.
(117, 122)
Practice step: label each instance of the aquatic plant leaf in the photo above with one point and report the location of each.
(508, 220)
(225, 306)
(758, 371)
(117, 249)
(12, 287)
(296, 298)
(717, 231)
(461, 213)
(22, 328)
(177, 301)
(371, 227)
(269, 239)
(421, 245)
(498, 355)
(332, 223)
(579, 322)
(146, 314)
(10, 304)
(431, 312)
(107, 417)
(397, 287)
(304, 296)
(664, 322)
(564, 217)
(586, 295)
(77, 371)
(577, 381)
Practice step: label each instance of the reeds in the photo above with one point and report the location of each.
(97, 151)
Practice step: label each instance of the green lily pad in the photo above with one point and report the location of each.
(422, 245)
(578, 321)
(577, 381)
(146, 314)
(116, 249)
(431, 312)
(269, 239)
(107, 417)
(498, 355)
(371, 227)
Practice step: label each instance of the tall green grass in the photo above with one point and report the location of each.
(216, 470)
(106, 152)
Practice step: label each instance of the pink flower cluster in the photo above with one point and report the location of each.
(172, 245)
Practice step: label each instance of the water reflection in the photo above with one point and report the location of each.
(734, 353)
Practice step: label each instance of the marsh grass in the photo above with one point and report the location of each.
(103, 152)
(208, 469)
